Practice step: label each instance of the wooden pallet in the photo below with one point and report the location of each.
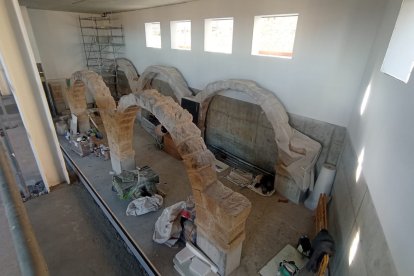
(321, 222)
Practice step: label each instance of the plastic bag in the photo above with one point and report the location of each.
(144, 205)
(168, 227)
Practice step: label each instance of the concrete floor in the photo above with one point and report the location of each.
(270, 226)
(74, 236)
(8, 262)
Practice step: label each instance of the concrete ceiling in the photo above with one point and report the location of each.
(97, 6)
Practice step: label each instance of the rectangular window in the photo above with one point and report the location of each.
(181, 35)
(399, 59)
(153, 34)
(218, 35)
(274, 35)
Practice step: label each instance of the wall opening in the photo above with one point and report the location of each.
(218, 35)
(153, 34)
(274, 35)
(181, 35)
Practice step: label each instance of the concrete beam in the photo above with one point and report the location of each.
(18, 60)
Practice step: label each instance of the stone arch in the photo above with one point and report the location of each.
(130, 71)
(221, 213)
(297, 153)
(118, 124)
(169, 75)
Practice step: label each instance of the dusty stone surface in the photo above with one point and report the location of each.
(169, 75)
(297, 153)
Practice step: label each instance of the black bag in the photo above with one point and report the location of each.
(304, 246)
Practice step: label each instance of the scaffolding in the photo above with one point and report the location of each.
(102, 42)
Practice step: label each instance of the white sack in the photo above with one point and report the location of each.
(144, 205)
(168, 225)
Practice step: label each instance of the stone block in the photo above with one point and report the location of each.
(287, 187)
(204, 219)
(216, 239)
(226, 261)
(197, 197)
(189, 146)
(199, 160)
(214, 195)
(202, 178)
(118, 164)
(228, 235)
(233, 211)
(182, 132)
(172, 114)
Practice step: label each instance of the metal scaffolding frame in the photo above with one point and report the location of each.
(102, 42)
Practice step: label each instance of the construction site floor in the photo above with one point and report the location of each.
(271, 225)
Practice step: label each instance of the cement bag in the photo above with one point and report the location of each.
(144, 205)
(168, 227)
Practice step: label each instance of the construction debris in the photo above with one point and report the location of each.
(144, 205)
(136, 183)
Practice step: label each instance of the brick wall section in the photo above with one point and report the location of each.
(119, 128)
(77, 104)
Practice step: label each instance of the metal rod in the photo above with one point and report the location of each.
(29, 255)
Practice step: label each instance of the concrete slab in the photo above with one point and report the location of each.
(75, 237)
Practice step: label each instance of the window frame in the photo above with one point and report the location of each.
(172, 23)
(207, 23)
(255, 50)
(147, 40)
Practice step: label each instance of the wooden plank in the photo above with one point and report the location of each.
(324, 265)
(321, 222)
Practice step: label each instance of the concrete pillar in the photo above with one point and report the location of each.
(18, 61)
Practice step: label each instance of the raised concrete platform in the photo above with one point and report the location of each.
(270, 226)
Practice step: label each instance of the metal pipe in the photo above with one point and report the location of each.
(29, 255)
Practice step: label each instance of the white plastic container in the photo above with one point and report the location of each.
(323, 185)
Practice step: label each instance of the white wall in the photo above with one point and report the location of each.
(332, 43)
(59, 41)
(386, 130)
(18, 61)
(30, 33)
